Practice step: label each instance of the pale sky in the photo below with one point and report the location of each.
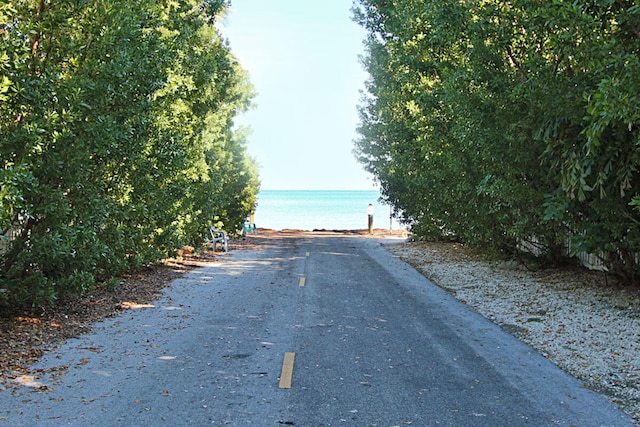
(302, 57)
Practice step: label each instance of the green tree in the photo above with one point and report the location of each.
(113, 117)
(441, 95)
(507, 123)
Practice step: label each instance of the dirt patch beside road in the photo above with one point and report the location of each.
(25, 336)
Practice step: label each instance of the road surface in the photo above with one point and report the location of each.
(308, 330)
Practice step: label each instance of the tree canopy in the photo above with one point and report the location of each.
(117, 139)
(508, 125)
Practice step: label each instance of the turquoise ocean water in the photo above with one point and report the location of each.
(330, 210)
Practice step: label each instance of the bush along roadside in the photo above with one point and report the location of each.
(117, 140)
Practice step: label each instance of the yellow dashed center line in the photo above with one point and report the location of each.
(287, 370)
(302, 282)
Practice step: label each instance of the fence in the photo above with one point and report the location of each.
(592, 261)
(588, 260)
(6, 236)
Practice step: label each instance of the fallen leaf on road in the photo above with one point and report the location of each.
(93, 349)
(129, 304)
(29, 381)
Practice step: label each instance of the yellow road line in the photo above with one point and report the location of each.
(287, 370)
(302, 282)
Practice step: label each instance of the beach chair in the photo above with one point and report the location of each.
(218, 236)
(248, 228)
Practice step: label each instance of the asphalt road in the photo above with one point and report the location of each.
(307, 331)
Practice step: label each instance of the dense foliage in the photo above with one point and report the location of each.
(117, 142)
(508, 124)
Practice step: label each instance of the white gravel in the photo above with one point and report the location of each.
(581, 320)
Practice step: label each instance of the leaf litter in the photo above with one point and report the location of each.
(25, 335)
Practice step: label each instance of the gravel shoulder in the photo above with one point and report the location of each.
(579, 319)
